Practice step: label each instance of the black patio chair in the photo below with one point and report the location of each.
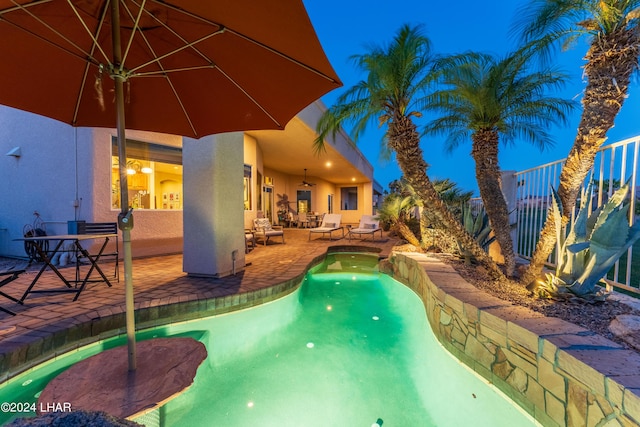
(11, 274)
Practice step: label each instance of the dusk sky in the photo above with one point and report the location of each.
(347, 27)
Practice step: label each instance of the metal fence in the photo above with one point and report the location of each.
(615, 165)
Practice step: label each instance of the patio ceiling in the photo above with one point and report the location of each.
(290, 151)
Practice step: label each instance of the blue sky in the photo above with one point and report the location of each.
(346, 27)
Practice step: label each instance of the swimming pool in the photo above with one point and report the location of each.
(347, 348)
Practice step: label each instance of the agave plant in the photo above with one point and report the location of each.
(593, 244)
(478, 227)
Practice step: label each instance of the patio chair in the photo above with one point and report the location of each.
(102, 228)
(11, 273)
(263, 229)
(303, 220)
(330, 223)
(249, 240)
(369, 224)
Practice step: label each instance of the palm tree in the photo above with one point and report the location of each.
(488, 101)
(395, 211)
(397, 75)
(613, 32)
(452, 196)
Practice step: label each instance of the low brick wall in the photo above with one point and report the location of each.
(562, 374)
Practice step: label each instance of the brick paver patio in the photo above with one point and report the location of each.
(51, 323)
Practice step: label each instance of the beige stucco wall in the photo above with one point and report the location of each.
(64, 173)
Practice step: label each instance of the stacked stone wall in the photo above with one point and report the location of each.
(561, 374)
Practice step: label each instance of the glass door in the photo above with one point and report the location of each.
(268, 203)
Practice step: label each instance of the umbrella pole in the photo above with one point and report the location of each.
(125, 220)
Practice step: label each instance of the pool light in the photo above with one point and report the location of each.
(310, 345)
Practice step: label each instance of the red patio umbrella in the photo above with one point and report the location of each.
(183, 67)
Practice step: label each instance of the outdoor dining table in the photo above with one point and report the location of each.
(48, 255)
(314, 219)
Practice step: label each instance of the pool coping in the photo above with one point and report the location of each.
(21, 354)
(551, 368)
(560, 373)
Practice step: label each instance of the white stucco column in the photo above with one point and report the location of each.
(213, 213)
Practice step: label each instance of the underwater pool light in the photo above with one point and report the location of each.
(310, 345)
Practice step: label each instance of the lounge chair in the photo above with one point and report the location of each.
(12, 273)
(369, 224)
(263, 229)
(330, 223)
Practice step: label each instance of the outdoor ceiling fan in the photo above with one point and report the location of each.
(306, 183)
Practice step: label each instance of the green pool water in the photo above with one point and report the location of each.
(348, 348)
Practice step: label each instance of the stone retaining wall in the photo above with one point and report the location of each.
(562, 374)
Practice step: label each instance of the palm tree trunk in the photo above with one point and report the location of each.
(611, 60)
(485, 154)
(406, 233)
(424, 229)
(403, 138)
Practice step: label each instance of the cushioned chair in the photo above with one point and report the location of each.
(303, 220)
(249, 240)
(263, 229)
(330, 223)
(368, 225)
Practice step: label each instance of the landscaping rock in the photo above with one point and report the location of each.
(627, 328)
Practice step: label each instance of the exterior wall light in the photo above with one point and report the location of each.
(15, 152)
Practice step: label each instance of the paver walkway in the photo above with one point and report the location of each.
(46, 319)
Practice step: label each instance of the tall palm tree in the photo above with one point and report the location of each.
(612, 29)
(397, 75)
(488, 101)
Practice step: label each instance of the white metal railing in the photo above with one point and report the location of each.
(615, 164)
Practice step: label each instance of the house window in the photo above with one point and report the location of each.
(349, 198)
(247, 187)
(154, 175)
(304, 201)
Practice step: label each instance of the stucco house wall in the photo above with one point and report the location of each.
(64, 174)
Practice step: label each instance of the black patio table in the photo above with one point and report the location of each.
(47, 257)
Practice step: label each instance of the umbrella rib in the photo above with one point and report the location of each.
(180, 49)
(164, 73)
(250, 97)
(283, 55)
(84, 25)
(135, 26)
(249, 39)
(86, 69)
(24, 8)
